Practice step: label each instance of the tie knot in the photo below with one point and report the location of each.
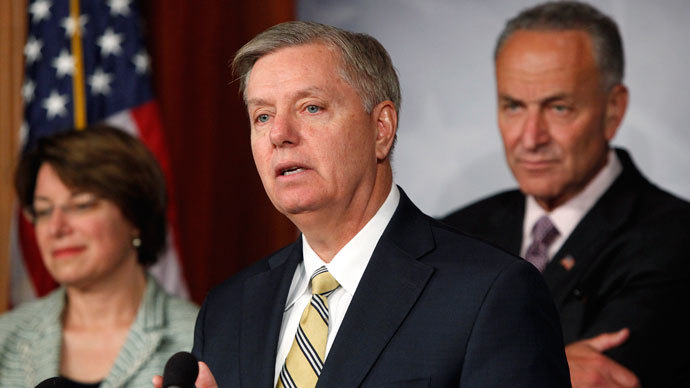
(322, 282)
(544, 231)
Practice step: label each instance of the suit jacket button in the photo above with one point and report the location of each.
(577, 293)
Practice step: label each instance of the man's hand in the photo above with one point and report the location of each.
(589, 368)
(204, 380)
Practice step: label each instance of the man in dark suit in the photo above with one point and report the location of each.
(406, 301)
(612, 246)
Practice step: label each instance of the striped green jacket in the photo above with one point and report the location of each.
(31, 334)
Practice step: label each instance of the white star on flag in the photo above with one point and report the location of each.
(70, 26)
(119, 7)
(55, 104)
(110, 42)
(64, 64)
(28, 90)
(141, 62)
(40, 10)
(100, 82)
(32, 50)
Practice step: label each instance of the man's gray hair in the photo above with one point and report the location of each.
(573, 15)
(365, 64)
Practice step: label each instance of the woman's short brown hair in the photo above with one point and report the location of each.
(113, 165)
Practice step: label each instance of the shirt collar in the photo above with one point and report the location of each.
(567, 216)
(348, 265)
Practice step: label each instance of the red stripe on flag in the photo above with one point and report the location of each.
(42, 281)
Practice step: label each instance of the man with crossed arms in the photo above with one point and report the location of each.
(611, 246)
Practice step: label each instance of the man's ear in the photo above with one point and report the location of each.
(386, 120)
(616, 106)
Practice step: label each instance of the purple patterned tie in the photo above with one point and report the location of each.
(543, 234)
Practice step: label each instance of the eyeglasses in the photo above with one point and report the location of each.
(79, 204)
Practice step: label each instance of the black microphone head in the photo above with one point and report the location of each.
(53, 382)
(180, 371)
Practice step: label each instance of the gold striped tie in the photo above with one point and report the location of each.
(304, 362)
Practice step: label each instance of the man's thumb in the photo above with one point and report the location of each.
(606, 341)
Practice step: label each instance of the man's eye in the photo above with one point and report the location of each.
(313, 109)
(560, 108)
(262, 118)
(511, 106)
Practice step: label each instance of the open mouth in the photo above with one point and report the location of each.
(291, 171)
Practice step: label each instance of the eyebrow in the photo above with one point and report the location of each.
(547, 100)
(72, 196)
(306, 92)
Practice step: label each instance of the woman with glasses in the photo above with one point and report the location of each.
(97, 201)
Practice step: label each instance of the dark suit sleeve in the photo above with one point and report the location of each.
(516, 340)
(647, 291)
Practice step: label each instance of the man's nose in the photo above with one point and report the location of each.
(535, 131)
(284, 130)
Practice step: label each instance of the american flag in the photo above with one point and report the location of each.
(85, 63)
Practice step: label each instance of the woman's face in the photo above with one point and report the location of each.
(83, 239)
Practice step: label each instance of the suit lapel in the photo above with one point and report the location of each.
(581, 253)
(389, 288)
(263, 304)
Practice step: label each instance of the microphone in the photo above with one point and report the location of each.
(53, 382)
(180, 371)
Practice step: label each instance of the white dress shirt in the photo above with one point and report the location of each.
(347, 268)
(567, 216)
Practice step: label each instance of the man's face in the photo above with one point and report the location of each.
(313, 143)
(555, 117)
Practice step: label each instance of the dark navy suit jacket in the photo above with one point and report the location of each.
(626, 264)
(434, 308)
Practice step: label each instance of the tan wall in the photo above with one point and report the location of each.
(12, 33)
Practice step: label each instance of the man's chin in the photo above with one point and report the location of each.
(538, 190)
(295, 207)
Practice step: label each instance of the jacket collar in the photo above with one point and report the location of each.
(263, 303)
(394, 278)
(390, 287)
(585, 244)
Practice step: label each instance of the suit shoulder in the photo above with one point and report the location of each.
(466, 249)
(659, 203)
(652, 215)
(484, 207)
(233, 282)
(659, 216)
